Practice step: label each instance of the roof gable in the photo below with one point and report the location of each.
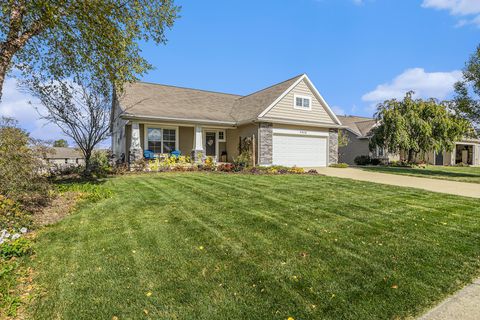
(360, 126)
(284, 106)
(251, 106)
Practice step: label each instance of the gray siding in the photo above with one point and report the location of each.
(355, 147)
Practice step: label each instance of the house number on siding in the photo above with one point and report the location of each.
(303, 132)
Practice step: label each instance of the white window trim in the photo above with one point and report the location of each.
(295, 96)
(224, 136)
(153, 126)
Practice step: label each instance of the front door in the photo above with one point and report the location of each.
(211, 144)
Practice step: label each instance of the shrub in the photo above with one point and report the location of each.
(21, 169)
(12, 215)
(362, 160)
(375, 161)
(339, 165)
(15, 248)
(226, 167)
(100, 163)
(296, 170)
(272, 170)
(312, 171)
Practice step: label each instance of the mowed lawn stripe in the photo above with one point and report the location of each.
(215, 246)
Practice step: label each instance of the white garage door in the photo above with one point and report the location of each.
(300, 151)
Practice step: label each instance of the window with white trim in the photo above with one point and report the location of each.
(302, 102)
(221, 136)
(161, 140)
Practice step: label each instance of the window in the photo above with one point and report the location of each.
(380, 152)
(221, 136)
(303, 102)
(161, 140)
(168, 140)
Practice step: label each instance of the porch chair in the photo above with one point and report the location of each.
(149, 155)
(175, 153)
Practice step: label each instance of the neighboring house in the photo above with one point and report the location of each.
(291, 123)
(60, 156)
(358, 131)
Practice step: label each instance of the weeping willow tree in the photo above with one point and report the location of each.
(417, 126)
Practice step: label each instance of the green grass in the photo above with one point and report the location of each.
(214, 246)
(463, 174)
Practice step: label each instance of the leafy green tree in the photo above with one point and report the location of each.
(467, 99)
(417, 126)
(58, 38)
(61, 143)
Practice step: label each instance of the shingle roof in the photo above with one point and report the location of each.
(249, 107)
(361, 126)
(148, 99)
(63, 153)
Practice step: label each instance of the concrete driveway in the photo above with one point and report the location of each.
(435, 185)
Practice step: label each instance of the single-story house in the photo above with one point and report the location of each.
(290, 122)
(358, 131)
(61, 156)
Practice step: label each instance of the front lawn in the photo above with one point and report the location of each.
(219, 246)
(463, 174)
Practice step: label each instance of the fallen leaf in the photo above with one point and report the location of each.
(394, 286)
(149, 293)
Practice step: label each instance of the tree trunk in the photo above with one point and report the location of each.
(5, 60)
(88, 170)
(411, 154)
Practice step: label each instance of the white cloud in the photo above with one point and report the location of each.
(464, 8)
(15, 104)
(338, 110)
(425, 84)
(358, 2)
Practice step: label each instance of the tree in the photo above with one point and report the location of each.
(58, 38)
(417, 126)
(61, 143)
(467, 99)
(79, 109)
(20, 166)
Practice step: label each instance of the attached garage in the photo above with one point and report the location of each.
(301, 148)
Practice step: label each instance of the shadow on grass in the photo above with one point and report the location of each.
(424, 172)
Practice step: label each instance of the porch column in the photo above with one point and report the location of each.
(198, 152)
(136, 152)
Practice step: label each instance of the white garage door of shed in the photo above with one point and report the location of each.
(300, 151)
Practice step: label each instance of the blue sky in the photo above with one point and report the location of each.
(357, 53)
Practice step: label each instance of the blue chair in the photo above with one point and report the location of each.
(149, 155)
(175, 153)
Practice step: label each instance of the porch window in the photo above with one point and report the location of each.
(161, 140)
(168, 140)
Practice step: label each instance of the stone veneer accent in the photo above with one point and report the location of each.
(333, 146)
(265, 140)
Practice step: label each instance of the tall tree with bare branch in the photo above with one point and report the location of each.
(58, 38)
(80, 110)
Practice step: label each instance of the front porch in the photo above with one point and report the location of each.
(196, 141)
